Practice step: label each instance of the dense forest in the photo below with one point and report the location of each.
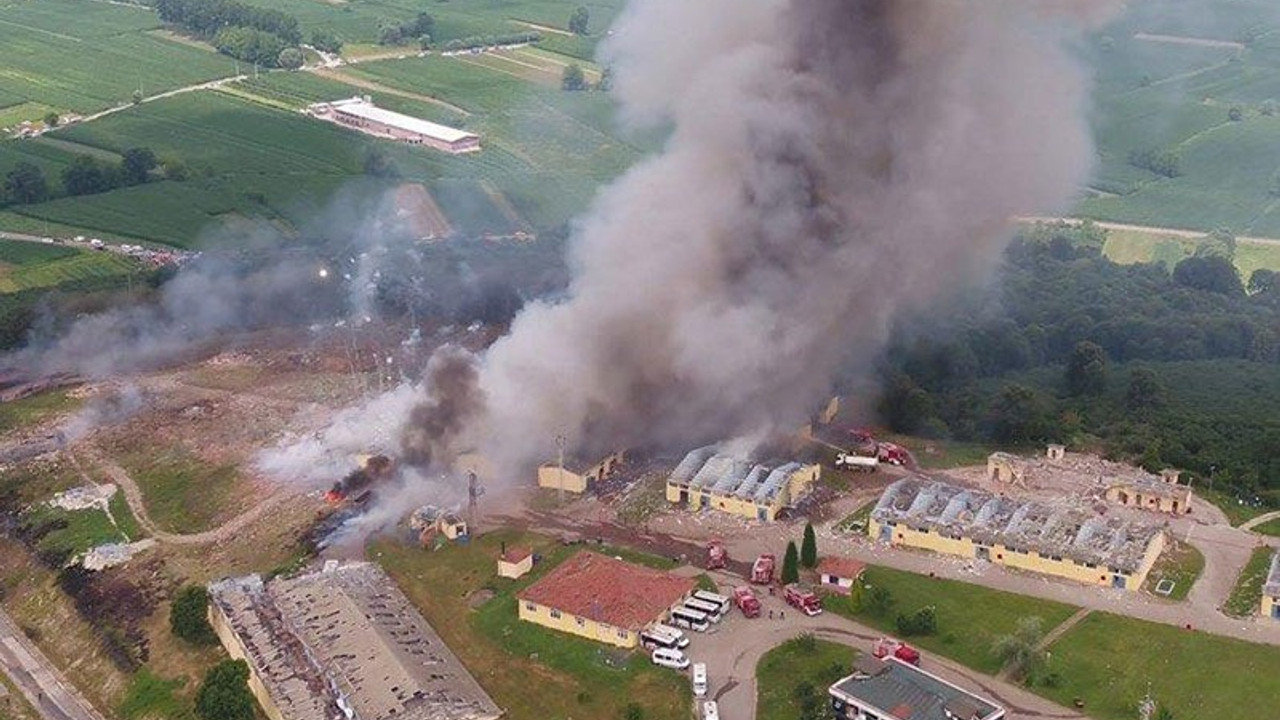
(1165, 368)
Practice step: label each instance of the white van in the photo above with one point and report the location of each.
(666, 657)
(710, 711)
(683, 617)
(682, 640)
(699, 679)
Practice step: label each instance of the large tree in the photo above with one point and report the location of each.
(791, 564)
(86, 175)
(809, 547)
(188, 617)
(1145, 393)
(224, 694)
(137, 165)
(1209, 273)
(25, 183)
(573, 79)
(1020, 651)
(579, 20)
(1086, 369)
(1019, 416)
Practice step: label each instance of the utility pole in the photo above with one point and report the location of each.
(560, 441)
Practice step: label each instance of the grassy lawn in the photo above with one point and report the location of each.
(970, 617)
(75, 531)
(1180, 563)
(942, 454)
(151, 696)
(1109, 661)
(1237, 511)
(34, 409)
(575, 678)
(183, 493)
(785, 670)
(1247, 594)
(1270, 527)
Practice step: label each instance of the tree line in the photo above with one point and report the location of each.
(1071, 347)
(258, 35)
(26, 183)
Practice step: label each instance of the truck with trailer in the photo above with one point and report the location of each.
(745, 598)
(762, 569)
(857, 463)
(802, 599)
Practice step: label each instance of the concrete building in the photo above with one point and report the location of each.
(890, 689)
(1121, 484)
(838, 574)
(343, 642)
(577, 476)
(1153, 495)
(602, 598)
(707, 480)
(1064, 539)
(1271, 590)
(514, 562)
(361, 114)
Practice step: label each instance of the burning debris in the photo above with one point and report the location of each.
(356, 485)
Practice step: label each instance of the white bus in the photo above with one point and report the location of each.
(653, 638)
(689, 619)
(711, 609)
(677, 633)
(724, 602)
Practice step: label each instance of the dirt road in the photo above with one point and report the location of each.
(133, 495)
(44, 687)
(1266, 517)
(1147, 229)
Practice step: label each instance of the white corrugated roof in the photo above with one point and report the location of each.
(359, 108)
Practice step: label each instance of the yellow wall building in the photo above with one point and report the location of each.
(576, 476)
(706, 480)
(602, 598)
(1271, 590)
(514, 562)
(1069, 542)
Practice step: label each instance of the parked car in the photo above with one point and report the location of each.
(710, 711)
(670, 658)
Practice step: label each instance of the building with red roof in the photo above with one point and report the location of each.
(602, 598)
(514, 561)
(838, 574)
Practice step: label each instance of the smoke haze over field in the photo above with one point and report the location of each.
(832, 164)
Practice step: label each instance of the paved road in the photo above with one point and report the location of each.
(44, 687)
(734, 648)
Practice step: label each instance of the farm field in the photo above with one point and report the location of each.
(576, 677)
(25, 271)
(1179, 96)
(78, 57)
(1130, 246)
(1110, 662)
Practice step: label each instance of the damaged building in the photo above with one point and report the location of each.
(1115, 482)
(1063, 539)
(705, 479)
(342, 643)
(577, 475)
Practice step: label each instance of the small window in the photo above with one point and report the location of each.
(555, 613)
(581, 622)
(530, 607)
(624, 634)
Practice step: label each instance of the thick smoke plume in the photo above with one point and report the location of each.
(833, 163)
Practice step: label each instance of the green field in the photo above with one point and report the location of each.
(1181, 564)
(798, 667)
(35, 408)
(1270, 527)
(576, 678)
(24, 265)
(1176, 96)
(1247, 593)
(1110, 661)
(76, 56)
(970, 617)
(182, 493)
(76, 531)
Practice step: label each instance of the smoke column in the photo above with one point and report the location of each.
(832, 163)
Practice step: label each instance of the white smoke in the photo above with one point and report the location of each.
(831, 165)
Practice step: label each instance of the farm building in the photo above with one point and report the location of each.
(839, 574)
(891, 688)
(362, 115)
(577, 476)
(1271, 590)
(707, 480)
(343, 642)
(1063, 539)
(514, 562)
(602, 598)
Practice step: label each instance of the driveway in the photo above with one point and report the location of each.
(734, 647)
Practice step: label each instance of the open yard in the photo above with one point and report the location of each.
(24, 266)
(1109, 662)
(183, 493)
(1175, 571)
(796, 670)
(575, 678)
(970, 617)
(35, 408)
(1247, 593)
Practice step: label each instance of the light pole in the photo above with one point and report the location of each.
(560, 441)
